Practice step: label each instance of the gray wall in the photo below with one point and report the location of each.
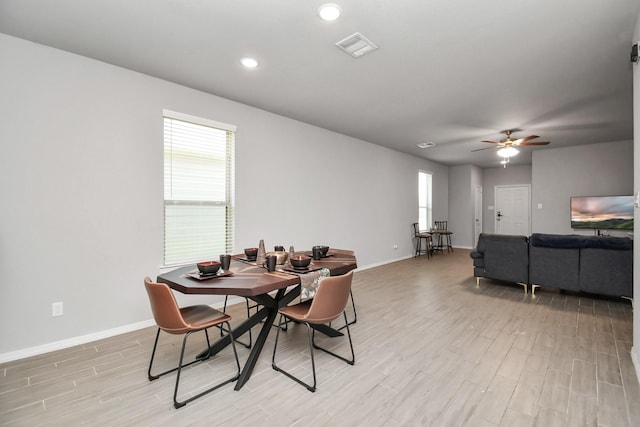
(81, 178)
(492, 177)
(589, 170)
(462, 180)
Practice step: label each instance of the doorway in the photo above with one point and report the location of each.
(513, 209)
(477, 213)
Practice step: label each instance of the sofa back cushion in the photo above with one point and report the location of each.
(606, 272)
(555, 267)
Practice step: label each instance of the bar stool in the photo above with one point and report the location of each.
(441, 230)
(419, 236)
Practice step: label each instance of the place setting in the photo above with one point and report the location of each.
(212, 269)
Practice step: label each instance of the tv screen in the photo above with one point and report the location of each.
(602, 212)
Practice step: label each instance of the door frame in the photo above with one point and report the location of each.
(477, 212)
(495, 199)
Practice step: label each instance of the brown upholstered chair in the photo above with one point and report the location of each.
(353, 302)
(327, 305)
(184, 321)
(420, 235)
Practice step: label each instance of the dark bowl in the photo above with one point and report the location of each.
(300, 261)
(323, 249)
(208, 267)
(251, 253)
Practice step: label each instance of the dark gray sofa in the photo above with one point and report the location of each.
(502, 257)
(595, 264)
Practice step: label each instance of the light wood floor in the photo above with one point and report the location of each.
(431, 349)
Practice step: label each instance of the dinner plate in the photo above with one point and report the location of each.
(322, 256)
(195, 274)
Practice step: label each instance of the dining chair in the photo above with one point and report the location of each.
(420, 235)
(443, 232)
(184, 321)
(328, 304)
(353, 302)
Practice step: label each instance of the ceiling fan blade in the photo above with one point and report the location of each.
(535, 143)
(485, 148)
(491, 142)
(527, 138)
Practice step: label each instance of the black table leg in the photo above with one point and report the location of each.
(267, 313)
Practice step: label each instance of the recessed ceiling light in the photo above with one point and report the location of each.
(426, 144)
(329, 12)
(249, 62)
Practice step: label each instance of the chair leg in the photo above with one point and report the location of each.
(353, 356)
(312, 345)
(156, 376)
(310, 387)
(222, 330)
(177, 404)
(355, 313)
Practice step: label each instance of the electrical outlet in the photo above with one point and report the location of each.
(56, 309)
(395, 247)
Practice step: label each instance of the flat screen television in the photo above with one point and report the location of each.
(602, 212)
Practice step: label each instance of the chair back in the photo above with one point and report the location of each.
(441, 225)
(416, 230)
(330, 300)
(165, 308)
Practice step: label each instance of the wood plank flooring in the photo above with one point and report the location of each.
(432, 349)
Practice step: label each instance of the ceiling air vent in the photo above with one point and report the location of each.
(357, 45)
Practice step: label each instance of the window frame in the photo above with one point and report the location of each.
(425, 210)
(194, 204)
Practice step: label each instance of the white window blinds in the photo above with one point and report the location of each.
(424, 200)
(198, 188)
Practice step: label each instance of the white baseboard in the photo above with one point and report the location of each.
(378, 264)
(70, 342)
(83, 339)
(635, 358)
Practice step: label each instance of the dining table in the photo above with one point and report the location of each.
(271, 290)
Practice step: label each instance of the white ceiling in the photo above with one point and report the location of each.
(453, 72)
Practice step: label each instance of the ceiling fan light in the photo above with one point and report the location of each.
(508, 152)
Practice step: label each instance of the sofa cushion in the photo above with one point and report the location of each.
(502, 257)
(606, 272)
(574, 241)
(555, 267)
(559, 241)
(606, 242)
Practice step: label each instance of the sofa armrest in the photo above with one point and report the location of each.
(478, 258)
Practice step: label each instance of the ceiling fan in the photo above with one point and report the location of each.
(511, 142)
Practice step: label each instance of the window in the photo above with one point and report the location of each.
(198, 188)
(424, 200)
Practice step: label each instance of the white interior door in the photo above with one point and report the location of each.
(513, 210)
(477, 213)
